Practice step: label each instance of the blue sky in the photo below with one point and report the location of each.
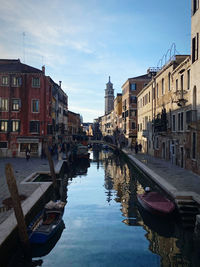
(82, 42)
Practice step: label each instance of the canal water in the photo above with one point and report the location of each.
(103, 225)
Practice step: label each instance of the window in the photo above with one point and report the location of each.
(3, 104)
(34, 148)
(195, 45)
(163, 86)
(15, 126)
(195, 6)
(180, 121)
(15, 104)
(34, 127)
(35, 105)
(16, 81)
(182, 80)
(194, 142)
(173, 123)
(133, 125)
(149, 97)
(157, 143)
(133, 87)
(153, 92)
(188, 79)
(49, 129)
(36, 82)
(5, 80)
(133, 113)
(133, 99)
(3, 126)
(176, 84)
(157, 90)
(3, 144)
(169, 81)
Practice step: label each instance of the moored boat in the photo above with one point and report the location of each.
(156, 203)
(82, 152)
(46, 223)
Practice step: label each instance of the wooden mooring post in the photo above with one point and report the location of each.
(51, 165)
(52, 171)
(12, 186)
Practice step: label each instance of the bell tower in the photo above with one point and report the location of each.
(109, 97)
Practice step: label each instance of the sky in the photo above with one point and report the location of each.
(83, 42)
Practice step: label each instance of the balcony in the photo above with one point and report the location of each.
(160, 123)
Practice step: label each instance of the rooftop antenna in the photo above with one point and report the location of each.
(170, 55)
(23, 34)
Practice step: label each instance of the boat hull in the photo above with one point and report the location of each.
(42, 236)
(156, 203)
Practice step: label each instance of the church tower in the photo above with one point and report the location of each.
(109, 97)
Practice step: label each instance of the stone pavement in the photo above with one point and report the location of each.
(174, 179)
(22, 169)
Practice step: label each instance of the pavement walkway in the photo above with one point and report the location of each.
(173, 179)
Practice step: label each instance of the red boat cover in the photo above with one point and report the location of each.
(156, 201)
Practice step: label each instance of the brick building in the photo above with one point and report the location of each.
(25, 108)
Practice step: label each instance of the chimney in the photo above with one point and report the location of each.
(43, 70)
(60, 83)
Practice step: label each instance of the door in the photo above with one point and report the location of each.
(181, 157)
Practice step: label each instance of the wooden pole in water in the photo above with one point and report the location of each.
(12, 186)
(51, 165)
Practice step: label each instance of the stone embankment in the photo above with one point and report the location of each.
(180, 185)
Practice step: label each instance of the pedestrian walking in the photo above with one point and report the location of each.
(140, 147)
(136, 148)
(28, 154)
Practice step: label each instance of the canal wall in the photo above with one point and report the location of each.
(180, 185)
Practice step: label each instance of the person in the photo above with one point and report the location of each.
(27, 153)
(136, 148)
(140, 147)
(131, 146)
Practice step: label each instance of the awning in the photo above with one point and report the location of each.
(27, 140)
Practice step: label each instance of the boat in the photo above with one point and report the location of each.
(46, 223)
(41, 250)
(82, 152)
(156, 203)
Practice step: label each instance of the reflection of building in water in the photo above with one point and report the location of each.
(163, 235)
(166, 248)
(108, 186)
(119, 177)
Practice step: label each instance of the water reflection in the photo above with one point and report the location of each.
(175, 246)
